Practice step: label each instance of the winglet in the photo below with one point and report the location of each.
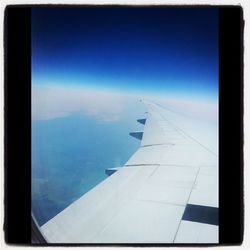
(137, 134)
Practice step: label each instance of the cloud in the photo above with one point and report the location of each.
(50, 102)
(193, 107)
(205, 110)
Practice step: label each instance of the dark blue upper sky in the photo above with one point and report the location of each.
(162, 50)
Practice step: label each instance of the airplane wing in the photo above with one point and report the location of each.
(167, 192)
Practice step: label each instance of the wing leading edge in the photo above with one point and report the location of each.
(167, 192)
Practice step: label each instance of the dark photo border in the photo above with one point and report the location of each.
(17, 124)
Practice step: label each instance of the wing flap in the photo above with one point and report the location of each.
(143, 222)
(193, 232)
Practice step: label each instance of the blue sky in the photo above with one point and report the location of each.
(160, 50)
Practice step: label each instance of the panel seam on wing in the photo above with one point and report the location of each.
(187, 202)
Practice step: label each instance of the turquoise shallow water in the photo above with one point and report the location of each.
(70, 155)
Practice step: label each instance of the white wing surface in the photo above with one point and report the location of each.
(167, 192)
